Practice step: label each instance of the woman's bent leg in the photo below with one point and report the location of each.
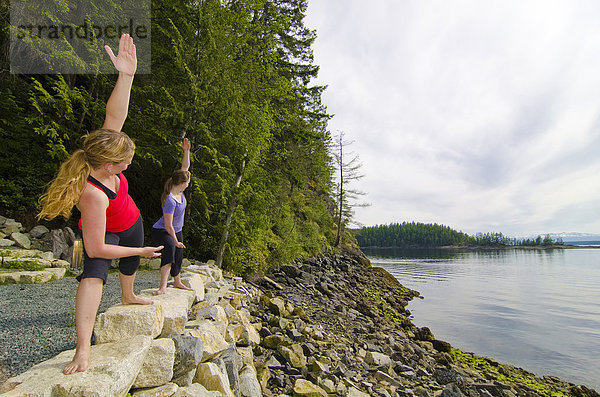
(87, 300)
(162, 237)
(128, 266)
(176, 268)
(164, 277)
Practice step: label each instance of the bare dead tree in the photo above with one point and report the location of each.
(348, 170)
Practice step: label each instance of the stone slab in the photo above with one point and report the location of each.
(176, 303)
(123, 321)
(210, 335)
(195, 282)
(113, 368)
(157, 368)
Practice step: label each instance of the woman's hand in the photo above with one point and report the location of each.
(179, 244)
(151, 252)
(186, 145)
(126, 60)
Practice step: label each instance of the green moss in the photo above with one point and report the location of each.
(394, 285)
(70, 273)
(18, 254)
(22, 265)
(378, 303)
(508, 374)
(145, 267)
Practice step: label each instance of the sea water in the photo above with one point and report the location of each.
(532, 308)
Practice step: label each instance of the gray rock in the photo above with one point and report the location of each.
(38, 231)
(278, 308)
(11, 222)
(452, 390)
(11, 229)
(378, 359)
(303, 387)
(185, 379)
(195, 390)
(108, 374)
(188, 354)
(249, 385)
(306, 278)
(157, 368)
(21, 239)
(382, 376)
(213, 378)
(60, 244)
(273, 341)
(442, 346)
(122, 321)
(424, 334)
(167, 389)
(233, 363)
(328, 385)
(293, 355)
(6, 243)
(290, 270)
(445, 376)
(272, 362)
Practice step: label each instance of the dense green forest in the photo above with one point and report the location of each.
(232, 76)
(411, 234)
(416, 234)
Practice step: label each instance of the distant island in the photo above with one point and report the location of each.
(427, 235)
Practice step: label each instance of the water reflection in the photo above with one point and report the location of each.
(536, 309)
(408, 253)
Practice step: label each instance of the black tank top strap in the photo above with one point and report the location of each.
(109, 193)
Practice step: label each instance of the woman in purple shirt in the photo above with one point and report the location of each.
(168, 228)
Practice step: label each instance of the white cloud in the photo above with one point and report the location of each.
(480, 115)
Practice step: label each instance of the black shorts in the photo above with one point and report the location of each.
(98, 267)
(170, 254)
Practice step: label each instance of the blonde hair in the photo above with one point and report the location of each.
(178, 177)
(99, 147)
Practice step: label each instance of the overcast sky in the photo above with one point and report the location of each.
(481, 115)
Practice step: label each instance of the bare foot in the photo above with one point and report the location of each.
(161, 291)
(181, 286)
(136, 300)
(80, 363)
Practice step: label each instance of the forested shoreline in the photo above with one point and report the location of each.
(421, 235)
(234, 78)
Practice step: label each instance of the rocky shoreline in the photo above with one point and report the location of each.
(327, 326)
(484, 247)
(369, 341)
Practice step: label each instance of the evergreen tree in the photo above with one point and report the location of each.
(232, 76)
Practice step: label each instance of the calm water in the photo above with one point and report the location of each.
(535, 309)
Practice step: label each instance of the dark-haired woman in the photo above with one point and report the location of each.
(168, 228)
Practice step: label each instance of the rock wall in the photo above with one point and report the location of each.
(179, 346)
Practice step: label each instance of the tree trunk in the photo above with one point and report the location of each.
(340, 198)
(232, 204)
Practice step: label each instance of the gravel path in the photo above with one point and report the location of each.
(37, 321)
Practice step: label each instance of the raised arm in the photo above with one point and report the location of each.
(185, 161)
(118, 103)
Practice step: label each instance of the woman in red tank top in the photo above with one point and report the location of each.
(110, 221)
